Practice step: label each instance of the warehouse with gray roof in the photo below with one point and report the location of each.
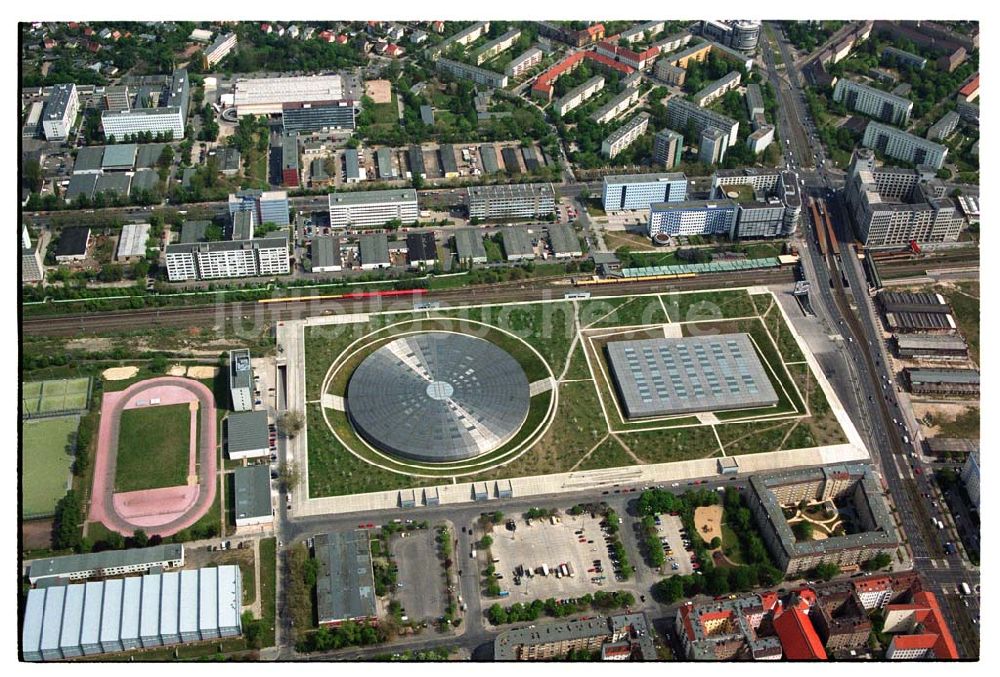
(931, 346)
(488, 153)
(469, 246)
(113, 184)
(373, 250)
(564, 241)
(246, 435)
(252, 495)
(325, 254)
(943, 381)
(121, 614)
(517, 244)
(345, 582)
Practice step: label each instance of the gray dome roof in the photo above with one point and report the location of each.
(438, 397)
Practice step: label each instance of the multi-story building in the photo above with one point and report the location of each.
(168, 117)
(269, 96)
(290, 159)
(873, 102)
(463, 71)
(523, 200)
(668, 147)
(715, 90)
(669, 73)
(761, 219)
(693, 217)
(624, 136)
(892, 55)
(894, 207)
(219, 49)
(106, 563)
(943, 381)
(543, 87)
(742, 35)
(622, 637)
(268, 206)
(373, 208)
(464, 37)
(755, 100)
(636, 60)
(970, 476)
(616, 106)
(712, 145)
(896, 143)
(494, 47)
(853, 485)
(241, 384)
(638, 191)
(919, 630)
(766, 185)
(944, 127)
(60, 112)
(697, 52)
(235, 258)
(840, 619)
(760, 139)
(528, 59)
(680, 112)
(579, 94)
(727, 629)
(32, 269)
(648, 30)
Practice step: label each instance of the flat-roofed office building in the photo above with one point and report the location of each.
(372, 207)
(638, 191)
(525, 200)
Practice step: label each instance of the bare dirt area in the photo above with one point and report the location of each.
(380, 91)
(202, 372)
(708, 522)
(119, 373)
(37, 534)
(91, 345)
(176, 370)
(942, 414)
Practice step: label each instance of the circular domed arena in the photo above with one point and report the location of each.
(438, 397)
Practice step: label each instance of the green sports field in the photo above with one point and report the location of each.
(60, 395)
(153, 447)
(48, 458)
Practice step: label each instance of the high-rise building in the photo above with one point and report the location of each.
(712, 146)
(873, 102)
(693, 217)
(970, 476)
(668, 146)
(60, 112)
(522, 200)
(264, 256)
(638, 191)
(680, 112)
(372, 208)
(241, 385)
(896, 143)
(943, 128)
(625, 136)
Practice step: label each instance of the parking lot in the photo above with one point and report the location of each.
(551, 545)
(420, 581)
(670, 529)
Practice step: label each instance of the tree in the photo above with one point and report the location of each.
(66, 523)
(485, 542)
(289, 475)
(669, 590)
(826, 570)
(290, 423)
(803, 530)
(879, 561)
(140, 539)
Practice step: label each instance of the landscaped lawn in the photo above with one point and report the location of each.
(153, 447)
(47, 456)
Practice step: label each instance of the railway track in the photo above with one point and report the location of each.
(251, 311)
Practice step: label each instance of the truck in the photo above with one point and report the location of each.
(472, 555)
(966, 590)
(569, 569)
(545, 570)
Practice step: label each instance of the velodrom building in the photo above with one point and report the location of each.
(853, 483)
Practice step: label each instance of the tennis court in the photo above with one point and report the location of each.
(60, 396)
(48, 448)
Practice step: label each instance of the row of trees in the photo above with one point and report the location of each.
(518, 612)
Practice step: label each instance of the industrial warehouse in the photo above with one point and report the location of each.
(658, 377)
(102, 617)
(438, 397)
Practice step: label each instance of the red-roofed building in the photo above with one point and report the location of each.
(542, 89)
(88, 31)
(920, 619)
(637, 60)
(799, 641)
(94, 47)
(595, 32)
(266, 28)
(49, 43)
(970, 90)
(72, 25)
(609, 63)
(394, 50)
(326, 36)
(437, 26)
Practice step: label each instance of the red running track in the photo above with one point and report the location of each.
(167, 510)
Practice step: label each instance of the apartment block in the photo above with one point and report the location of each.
(624, 136)
(524, 61)
(873, 102)
(944, 127)
(525, 200)
(236, 258)
(495, 47)
(716, 90)
(616, 106)
(896, 143)
(576, 96)
(372, 208)
(668, 147)
(680, 112)
(219, 49)
(712, 145)
(639, 191)
(480, 76)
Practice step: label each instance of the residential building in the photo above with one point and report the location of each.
(543, 86)
(693, 217)
(32, 268)
(219, 49)
(373, 251)
(760, 139)
(579, 94)
(615, 106)
(325, 254)
(896, 143)
(970, 90)
(480, 76)
(894, 207)
(621, 637)
(106, 563)
(265, 256)
(517, 244)
(73, 244)
(919, 630)
(640, 32)
(247, 435)
(524, 62)
(241, 381)
(116, 615)
(944, 127)
(668, 147)
(681, 112)
(950, 62)
(525, 200)
(464, 37)
(970, 476)
(495, 47)
(853, 485)
(563, 241)
(469, 246)
(669, 73)
(636, 60)
(892, 55)
(727, 629)
(345, 581)
(840, 619)
(873, 102)
(60, 111)
(697, 52)
(798, 637)
(639, 191)
(252, 494)
(421, 250)
(372, 208)
(755, 100)
(290, 159)
(712, 146)
(715, 90)
(624, 136)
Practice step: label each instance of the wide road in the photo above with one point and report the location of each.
(255, 314)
